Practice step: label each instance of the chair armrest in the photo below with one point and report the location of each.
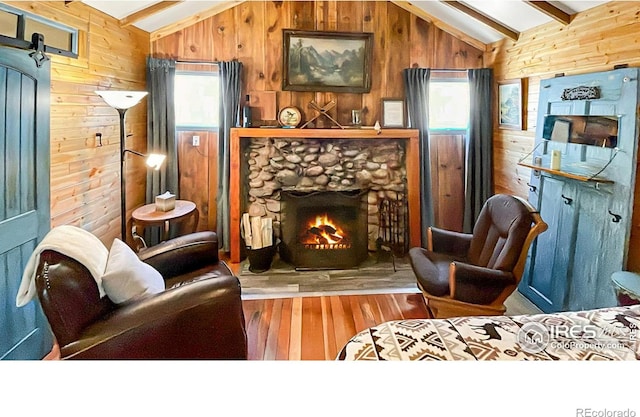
(449, 242)
(182, 254)
(203, 319)
(476, 284)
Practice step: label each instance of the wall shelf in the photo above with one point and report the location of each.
(566, 174)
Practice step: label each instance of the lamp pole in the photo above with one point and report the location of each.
(123, 190)
(122, 101)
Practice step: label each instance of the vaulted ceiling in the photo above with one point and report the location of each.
(479, 22)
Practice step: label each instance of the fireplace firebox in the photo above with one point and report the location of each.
(323, 229)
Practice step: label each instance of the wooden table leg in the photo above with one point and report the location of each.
(196, 219)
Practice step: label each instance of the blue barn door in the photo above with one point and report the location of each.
(24, 196)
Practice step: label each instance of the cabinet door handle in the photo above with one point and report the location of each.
(532, 188)
(616, 217)
(567, 200)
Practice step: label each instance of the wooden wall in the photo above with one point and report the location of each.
(595, 40)
(252, 33)
(85, 177)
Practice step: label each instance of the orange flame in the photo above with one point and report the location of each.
(321, 222)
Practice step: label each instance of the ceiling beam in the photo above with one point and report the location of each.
(457, 33)
(551, 11)
(483, 18)
(146, 12)
(192, 20)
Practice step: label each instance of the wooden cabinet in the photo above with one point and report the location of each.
(570, 265)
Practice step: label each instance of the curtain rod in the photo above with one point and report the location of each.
(197, 62)
(448, 70)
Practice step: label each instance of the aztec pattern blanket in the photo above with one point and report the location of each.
(602, 334)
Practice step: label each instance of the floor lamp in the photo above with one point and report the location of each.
(123, 101)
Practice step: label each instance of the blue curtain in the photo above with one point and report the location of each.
(230, 88)
(416, 87)
(479, 147)
(161, 134)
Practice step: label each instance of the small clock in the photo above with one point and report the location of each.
(289, 116)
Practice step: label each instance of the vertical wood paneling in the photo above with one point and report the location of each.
(398, 55)
(193, 160)
(234, 36)
(275, 19)
(250, 21)
(421, 43)
(595, 40)
(375, 21)
(447, 180)
(349, 19)
(85, 177)
(252, 33)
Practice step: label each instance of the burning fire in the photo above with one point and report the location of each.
(323, 231)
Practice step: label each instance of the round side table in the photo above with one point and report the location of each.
(147, 215)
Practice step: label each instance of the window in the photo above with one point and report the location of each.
(17, 26)
(449, 104)
(196, 99)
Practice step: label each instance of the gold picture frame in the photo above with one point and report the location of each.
(327, 61)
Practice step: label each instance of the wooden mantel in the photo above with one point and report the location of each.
(412, 167)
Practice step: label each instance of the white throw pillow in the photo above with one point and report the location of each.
(126, 276)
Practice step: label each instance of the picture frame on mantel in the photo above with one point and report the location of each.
(511, 104)
(393, 113)
(327, 61)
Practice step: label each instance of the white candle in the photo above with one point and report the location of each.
(555, 159)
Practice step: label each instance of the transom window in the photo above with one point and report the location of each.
(17, 27)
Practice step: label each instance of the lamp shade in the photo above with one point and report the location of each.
(155, 160)
(121, 100)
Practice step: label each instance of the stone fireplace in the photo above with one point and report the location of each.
(266, 166)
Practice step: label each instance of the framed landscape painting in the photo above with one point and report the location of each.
(510, 104)
(327, 61)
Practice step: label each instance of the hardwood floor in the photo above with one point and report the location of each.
(316, 328)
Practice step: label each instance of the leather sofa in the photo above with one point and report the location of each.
(198, 315)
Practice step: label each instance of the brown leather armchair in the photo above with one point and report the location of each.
(463, 274)
(199, 315)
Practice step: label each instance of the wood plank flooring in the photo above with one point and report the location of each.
(316, 328)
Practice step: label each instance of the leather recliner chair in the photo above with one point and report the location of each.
(463, 274)
(198, 316)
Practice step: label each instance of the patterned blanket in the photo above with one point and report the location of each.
(603, 334)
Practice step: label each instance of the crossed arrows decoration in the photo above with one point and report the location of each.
(322, 111)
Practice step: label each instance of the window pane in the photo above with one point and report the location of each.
(196, 99)
(448, 105)
(8, 24)
(53, 36)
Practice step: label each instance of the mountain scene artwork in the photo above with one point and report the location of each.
(327, 62)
